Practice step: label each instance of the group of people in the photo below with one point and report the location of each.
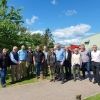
(61, 63)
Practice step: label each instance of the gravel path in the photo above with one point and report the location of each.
(45, 90)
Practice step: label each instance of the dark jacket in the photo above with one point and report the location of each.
(51, 59)
(30, 56)
(68, 60)
(4, 60)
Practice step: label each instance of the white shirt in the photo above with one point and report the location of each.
(66, 54)
(95, 56)
(76, 59)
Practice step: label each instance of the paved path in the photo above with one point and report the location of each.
(45, 90)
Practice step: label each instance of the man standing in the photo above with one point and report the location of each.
(45, 65)
(22, 61)
(14, 65)
(4, 63)
(95, 58)
(76, 63)
(85, 56)
(29, 62)
(38, 58)
(67, 63)
(60, 57)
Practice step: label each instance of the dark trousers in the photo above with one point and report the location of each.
(96, 71)
(39, 70)
(45, 68)
(60, 70)
(3, 72)
(86, 67)
(67, 65)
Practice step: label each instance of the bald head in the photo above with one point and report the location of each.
(15, 49)
(23, 47)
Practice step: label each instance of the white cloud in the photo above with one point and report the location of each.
(54, 2)
(72, 34)
(32, 20)
(36, 31)
(70, 12)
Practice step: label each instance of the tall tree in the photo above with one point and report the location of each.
(48, 38)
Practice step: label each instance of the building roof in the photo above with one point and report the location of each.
(92, 40)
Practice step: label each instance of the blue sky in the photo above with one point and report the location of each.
(67, 19)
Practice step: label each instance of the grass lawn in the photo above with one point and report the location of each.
(32, 79)
(96, 97)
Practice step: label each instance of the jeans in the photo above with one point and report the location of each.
(60, 70)
(3, 75)
(39, 70)
(86, 67)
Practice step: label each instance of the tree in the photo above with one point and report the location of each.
(10, 25)
(48, 38)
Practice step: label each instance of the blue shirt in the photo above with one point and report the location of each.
(60, 55)
(22, 55)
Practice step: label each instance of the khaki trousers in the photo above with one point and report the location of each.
(23, 71)
(15, 73)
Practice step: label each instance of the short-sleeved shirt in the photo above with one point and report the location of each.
(39, 56)
(85, 56)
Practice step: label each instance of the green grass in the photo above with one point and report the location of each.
(96, 97)
(26, 81)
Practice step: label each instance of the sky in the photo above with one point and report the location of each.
(69, 20)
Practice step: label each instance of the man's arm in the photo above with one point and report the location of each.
(12, 58)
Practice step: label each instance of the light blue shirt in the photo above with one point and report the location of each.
(60, 55)
(22, 55)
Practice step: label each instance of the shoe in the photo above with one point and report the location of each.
(51, 80)
(99, 84)
(94, 82)
(74, 80)
(58, 79)
(90, 80)
(62, 82)
(4, 85)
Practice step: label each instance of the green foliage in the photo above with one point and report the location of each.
(13, 33)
